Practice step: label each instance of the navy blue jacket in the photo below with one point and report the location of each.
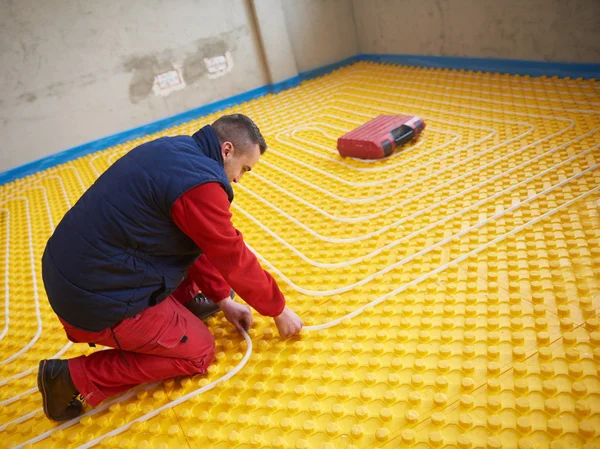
(117, 251)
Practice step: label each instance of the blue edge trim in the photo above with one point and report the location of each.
(508, 66)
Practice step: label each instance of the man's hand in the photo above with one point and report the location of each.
(237, 314)
(288, 323)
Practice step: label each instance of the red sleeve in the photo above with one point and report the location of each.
(208, 279)
(203, 215)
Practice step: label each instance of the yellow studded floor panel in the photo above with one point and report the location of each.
(451, 293)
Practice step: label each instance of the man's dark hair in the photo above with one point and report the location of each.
(240, 130)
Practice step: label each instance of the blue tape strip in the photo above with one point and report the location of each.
(511, 66)
(320, 71)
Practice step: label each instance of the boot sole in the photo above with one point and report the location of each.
(40, 383)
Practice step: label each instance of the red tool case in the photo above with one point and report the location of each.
(379, 137)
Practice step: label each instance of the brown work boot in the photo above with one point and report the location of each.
(59, 395)
(203, 307)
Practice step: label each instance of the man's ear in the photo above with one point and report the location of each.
(226, 149)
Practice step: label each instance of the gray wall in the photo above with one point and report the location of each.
(321, 31)
(76, 70)
(544, 30)
(275, 40)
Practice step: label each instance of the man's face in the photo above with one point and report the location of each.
(237, 162)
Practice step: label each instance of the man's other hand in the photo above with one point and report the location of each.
(237, 314)
(288, 323)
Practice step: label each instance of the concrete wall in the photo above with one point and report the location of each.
(275, 40)
(321, 31)
(545, 30)
(75, 70)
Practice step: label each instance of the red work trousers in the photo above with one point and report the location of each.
(161, 342)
